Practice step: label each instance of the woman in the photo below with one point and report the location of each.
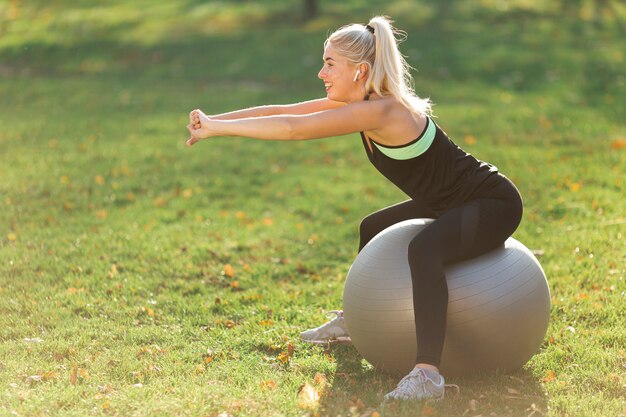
(475, 208)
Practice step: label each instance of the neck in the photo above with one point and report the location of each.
(357, 94)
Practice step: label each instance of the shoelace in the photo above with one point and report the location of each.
(337, 314)
(409, 383)
(409, 380)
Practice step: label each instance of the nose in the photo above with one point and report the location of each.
(322, 74)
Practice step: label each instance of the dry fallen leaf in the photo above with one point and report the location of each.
(286, 353)
(356, 405)
(575, 187)
(550, 376)
(470, 140)
(47, 376)
(269, 384)
(160, 201)
(473, 405)
(618, 144)
(229, 271)
(428, 411)
(74, 375)
(308, 397)
(284, 357)
(320, 380)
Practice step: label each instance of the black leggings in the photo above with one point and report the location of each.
(462, 232)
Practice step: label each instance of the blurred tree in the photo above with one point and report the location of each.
(444, 9)
(598, 12)
(310, 9)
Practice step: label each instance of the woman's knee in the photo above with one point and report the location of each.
(370, 226)
(421, 249)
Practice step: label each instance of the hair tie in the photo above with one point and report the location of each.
(371, 29)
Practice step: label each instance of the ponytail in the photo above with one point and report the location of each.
(376, 45)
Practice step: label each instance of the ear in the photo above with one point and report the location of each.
(360, 72)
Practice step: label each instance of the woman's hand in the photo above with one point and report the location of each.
(199, 127)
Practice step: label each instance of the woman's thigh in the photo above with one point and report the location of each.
(384, 218)
(470, 230)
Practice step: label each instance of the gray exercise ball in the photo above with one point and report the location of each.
(498, 306)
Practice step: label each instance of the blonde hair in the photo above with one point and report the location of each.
(388, 71)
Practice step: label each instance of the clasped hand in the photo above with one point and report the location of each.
(198, 127)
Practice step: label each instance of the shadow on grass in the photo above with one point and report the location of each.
(358, 389)
(520, 51)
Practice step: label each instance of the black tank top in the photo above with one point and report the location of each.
(442, 177)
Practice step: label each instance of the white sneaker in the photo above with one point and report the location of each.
(417, 385)
(333, 331)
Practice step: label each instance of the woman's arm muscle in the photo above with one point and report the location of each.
(305, 107)
(311, 106)
(370, 115)
(356, 117)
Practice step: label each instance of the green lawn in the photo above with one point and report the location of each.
(142, 278)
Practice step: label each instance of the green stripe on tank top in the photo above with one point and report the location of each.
(413, 150)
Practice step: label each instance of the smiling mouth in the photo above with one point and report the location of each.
(328, 86)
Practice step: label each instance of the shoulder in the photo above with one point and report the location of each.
(387, 104)
(400, 124)
(377, 106)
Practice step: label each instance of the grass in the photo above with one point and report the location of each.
(138, 277)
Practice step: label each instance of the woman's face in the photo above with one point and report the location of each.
(338, 76)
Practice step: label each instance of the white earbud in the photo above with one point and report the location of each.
(356, 75)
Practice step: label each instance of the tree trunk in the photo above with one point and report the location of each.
(310, 9)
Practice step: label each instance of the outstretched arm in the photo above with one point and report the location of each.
(305, 107)
(355, 117)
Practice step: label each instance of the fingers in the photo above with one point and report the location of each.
(193, 126)
(194, 119)
(193, 139)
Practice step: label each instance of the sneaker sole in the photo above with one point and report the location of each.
(335, 341)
